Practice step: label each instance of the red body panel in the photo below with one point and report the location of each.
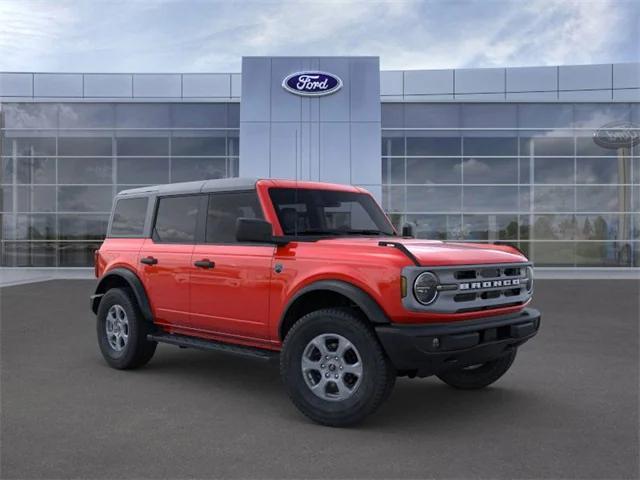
(242, 300)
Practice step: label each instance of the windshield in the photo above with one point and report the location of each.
(306, 212)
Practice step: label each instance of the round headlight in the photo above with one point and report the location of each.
(529, 280)
(425, 288)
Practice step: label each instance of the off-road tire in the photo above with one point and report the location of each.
(377, 379)
(481, 376)
(138, 350)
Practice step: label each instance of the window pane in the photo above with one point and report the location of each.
(393, 170)
(597, 115)
(85, 146)
(82, 227)
(198, 146)
(34, 227)
(432, 146)
(187, 169)
(199, 115)
(553, 254)
(603, 170)
(489, 115)
(138, 115)
(27, 254)
(554, 227)
(136, 171)
(79, 115)
(129, 216)
(436, 227)
(392, 115)
(433, 199)
(420, 115)
(490, 170)
(601, 198)
(490, 199)
(603, 254)
(225, 209)
(545, 116)
(176, 219)
(434, 170)
(30, 115)
(553, 170)
(76, 254)
(586, 146)
(490, 146)
(490, 227)
(392, 144)
(604, 227)
(36, 199)
(393, 199)
(143, 146)
(6, 199)
(36, 170)
(546, 146)
(233, 143)
(85, 199)
(29, 146)
(85, 170)
(6, 171)
(554, 199)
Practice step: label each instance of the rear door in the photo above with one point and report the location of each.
(229, 280)
(165, 258)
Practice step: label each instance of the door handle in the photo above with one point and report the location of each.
(149, 260)
(206, 263)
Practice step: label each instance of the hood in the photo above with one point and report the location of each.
(434, 252)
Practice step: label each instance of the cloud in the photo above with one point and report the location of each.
(199, 35)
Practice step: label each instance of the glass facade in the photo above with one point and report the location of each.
(62, 164)
(528, 174)
(524, 173)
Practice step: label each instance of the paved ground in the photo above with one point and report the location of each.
(567, 409)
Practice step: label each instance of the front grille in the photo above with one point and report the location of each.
(474, 288)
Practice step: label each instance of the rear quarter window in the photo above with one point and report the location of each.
(128, 217)
(176, 219)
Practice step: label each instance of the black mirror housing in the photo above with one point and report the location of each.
(253, 230)
(408, 230)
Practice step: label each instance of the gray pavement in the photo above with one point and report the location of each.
(568, 408)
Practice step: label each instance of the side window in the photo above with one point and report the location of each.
(176, 219)
(225, 209)
(128, 217)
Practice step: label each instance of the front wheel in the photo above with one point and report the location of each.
(479, 376)
(334, 368)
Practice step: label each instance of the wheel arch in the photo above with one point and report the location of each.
(118, 278)
(329, 293)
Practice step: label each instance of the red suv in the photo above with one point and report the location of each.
(313, 273)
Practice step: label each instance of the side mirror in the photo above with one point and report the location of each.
(256, 230)
(408, 230)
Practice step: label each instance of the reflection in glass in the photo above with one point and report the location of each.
(433, 199)
(490, 170)
(554, 227)
(553, 199)
(82, 227)
(184, 169)
(35, 198)
(36, 227)
(490, 199)
(433, 146)
(393, 171)
(30, 254)
(490, 227)
(436, 227)
(434, 170)
(136, 171)
(36, 170)
(602, 198)
(84, 146)
(85, 170)
(76, 254)
(603, 170)
(554, 254)
(553, 170)
(149, 146)
(198, 145)
(84, 199)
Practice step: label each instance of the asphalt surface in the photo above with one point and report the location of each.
(568, 408)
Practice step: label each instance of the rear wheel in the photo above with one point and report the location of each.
(479, 376)
(122, 332)
(334, 369)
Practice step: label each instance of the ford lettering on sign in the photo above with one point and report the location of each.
(312, 84)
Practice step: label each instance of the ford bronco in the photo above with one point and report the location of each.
(313, 274)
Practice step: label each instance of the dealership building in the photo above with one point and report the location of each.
(545, 158)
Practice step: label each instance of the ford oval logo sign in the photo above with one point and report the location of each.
(617, 135)
(312, 84)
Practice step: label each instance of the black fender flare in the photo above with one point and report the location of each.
(362, 299)
(134, 283)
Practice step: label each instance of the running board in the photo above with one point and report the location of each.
(202, 344)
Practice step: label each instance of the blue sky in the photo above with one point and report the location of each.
(212, 36)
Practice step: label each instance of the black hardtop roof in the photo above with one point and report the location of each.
(200, 186)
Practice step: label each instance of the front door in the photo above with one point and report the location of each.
(230, 281)
(165, 259)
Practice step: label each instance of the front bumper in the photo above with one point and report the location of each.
(429, 349)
